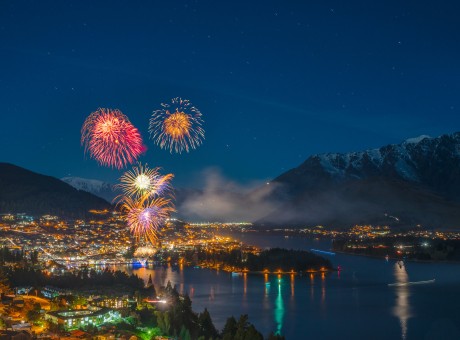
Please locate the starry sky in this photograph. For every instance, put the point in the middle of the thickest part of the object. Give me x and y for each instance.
(276, 81)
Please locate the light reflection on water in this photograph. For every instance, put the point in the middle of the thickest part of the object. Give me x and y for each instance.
(266, 301)
(354, 303)
(279, 308)
(402, 307)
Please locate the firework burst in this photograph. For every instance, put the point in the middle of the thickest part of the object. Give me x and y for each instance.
(146, 215)
(142, 180)
(145, 251)
(177, 126)
(111, 139)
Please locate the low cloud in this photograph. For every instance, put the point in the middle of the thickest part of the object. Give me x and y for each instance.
(222, 199)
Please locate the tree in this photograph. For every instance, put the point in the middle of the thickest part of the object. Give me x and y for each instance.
(184, 334)
(241, 327)
(230, 328)
(150, 290)
(4, 285)
(169, 287)
(241, 330)
(34, 257)
(206, 326)
(273, 336)
(33, 315)
(252, 333)
(163, 321)
(78, 301)
(147, 316)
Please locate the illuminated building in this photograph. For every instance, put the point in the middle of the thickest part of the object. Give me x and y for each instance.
(76, 318)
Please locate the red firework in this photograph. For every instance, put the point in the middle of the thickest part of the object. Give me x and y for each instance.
(111, 139)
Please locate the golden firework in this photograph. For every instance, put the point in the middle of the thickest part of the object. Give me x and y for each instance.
(146, 215)
(142, 180)
(177, 126)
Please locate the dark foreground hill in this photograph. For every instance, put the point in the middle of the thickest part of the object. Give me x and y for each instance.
(24, 191)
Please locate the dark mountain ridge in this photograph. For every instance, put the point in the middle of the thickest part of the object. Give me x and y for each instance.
(415, 182)
(24, 191)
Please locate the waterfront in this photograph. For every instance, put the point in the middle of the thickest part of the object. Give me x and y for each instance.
(353, 303)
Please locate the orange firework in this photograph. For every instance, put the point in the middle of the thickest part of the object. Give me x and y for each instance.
(177, 126)
(111, 139)
(146, 215)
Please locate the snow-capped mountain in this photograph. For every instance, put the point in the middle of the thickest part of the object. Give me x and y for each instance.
(96, 187)
(430, 162)
(418, 180)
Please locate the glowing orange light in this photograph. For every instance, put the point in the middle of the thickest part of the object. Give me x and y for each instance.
(177, 126)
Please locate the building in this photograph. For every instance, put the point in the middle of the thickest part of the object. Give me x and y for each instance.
(115, 302)
(52, 292)
(77, 318)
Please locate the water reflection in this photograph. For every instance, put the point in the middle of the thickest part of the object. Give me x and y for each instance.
(323, 289)
(267, 285)
(181, 276)
(402, 308)
(359, 295)
(211, 294)
(312, 287)
(266, 303)
(279, 308)
(245, 284)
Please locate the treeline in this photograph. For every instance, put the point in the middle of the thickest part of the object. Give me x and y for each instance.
(180, 321)
(277, 258)
(82, 279)
(17, 256)
(271, 259)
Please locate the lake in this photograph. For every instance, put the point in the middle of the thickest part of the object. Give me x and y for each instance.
(355, 303)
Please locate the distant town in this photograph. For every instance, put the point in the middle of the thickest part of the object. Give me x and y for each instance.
(55, 280)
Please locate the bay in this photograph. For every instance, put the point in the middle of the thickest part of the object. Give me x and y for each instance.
(355, 303)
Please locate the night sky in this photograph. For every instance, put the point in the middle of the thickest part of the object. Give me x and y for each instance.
(276, 81)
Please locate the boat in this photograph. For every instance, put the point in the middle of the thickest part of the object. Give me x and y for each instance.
(322, 251)
(404, 284)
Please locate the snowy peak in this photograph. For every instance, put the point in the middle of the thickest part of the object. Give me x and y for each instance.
(431, 162)
(416, 140)
(96, 187)
(417, 180)
(400, 160)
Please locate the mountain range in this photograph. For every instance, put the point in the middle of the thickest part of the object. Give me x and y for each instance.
(24, 191)
(415, 182)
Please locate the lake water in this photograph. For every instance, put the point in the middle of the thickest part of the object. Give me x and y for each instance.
(356, 303)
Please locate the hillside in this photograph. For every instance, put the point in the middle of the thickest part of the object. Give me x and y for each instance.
(96, 187)
(22, 190)
(415, 182)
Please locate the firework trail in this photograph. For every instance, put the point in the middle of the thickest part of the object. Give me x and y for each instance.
(177, 126)
(142, 180)
(111, 139)
(146, 215)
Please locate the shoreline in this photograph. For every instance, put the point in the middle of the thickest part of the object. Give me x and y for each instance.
(396, 259)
